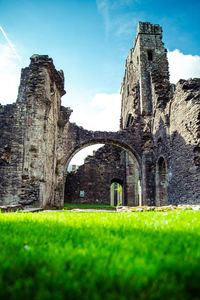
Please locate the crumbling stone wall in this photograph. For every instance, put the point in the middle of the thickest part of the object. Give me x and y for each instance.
(29, 134)
(109, 164)
(95, 176)
(176, 134)
(11, 145)
(38, 141)
(168, 122)
(159, 129)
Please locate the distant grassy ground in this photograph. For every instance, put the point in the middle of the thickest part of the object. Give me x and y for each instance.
(70, 206)
(70, 255)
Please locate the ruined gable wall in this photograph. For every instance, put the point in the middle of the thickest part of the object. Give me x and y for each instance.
(45, 86)
(31, 128)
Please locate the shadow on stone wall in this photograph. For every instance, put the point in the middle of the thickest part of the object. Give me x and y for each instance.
(182, 164)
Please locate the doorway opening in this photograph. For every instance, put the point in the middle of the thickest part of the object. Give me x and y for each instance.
(116, 192)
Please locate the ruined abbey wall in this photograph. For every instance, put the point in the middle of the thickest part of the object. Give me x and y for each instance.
(29, 136)
(168, 121)
(159, 130)
(176, 138)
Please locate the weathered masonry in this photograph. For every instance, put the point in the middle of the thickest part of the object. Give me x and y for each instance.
(159, 130)
(110, 176)
(92, 182)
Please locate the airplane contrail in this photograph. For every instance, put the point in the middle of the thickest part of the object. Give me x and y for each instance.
(11, 45)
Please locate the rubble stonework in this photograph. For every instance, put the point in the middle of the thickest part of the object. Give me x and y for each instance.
(95, 176)
(159, 130)
(108, 165)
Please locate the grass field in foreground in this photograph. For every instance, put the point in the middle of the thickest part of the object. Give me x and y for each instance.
(70, 255)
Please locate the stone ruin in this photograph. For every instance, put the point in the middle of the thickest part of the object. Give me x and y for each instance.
(159, 138)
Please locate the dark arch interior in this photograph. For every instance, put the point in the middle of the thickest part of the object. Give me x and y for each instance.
(117, 180)
(150, 55)
(162, 167)
(129, 120)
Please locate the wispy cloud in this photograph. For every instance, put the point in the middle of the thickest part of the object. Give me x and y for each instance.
(124, 27)
(104, 9)
(114, 19)
(12, 47)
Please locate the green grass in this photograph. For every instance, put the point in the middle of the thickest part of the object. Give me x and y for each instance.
(70, 206)
(70, 255)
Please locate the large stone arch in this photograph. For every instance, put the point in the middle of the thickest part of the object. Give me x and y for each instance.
(106, 141)
(75, 138)
(79, 138)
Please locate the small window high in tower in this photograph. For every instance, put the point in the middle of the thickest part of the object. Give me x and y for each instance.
(150, 55)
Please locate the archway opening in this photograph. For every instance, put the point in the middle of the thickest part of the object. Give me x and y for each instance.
(161, 183)
(92, 182)
(116, 192)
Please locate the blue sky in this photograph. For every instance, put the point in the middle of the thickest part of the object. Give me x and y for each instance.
(90, 41)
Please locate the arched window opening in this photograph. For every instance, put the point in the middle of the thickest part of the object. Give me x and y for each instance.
(116, 192)
(133, 195)
(159, 141)
(161, 183)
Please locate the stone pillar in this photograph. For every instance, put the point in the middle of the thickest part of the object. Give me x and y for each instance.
(148, 179)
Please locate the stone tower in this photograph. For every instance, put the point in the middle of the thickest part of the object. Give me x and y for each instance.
(145, 87)
(146, 79)
(165, 119)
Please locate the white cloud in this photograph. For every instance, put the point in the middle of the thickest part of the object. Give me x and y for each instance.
(9, 75)
(183, 66)
(78, 159)
(108, 107)
(102, 113)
